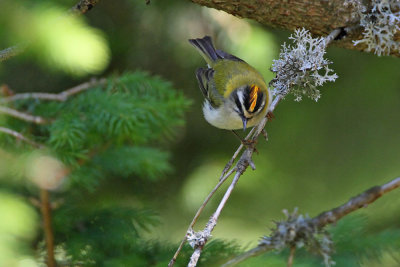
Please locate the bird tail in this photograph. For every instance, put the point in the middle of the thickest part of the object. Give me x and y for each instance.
(206, 48)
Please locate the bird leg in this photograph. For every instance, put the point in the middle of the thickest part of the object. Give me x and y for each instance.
(246, 143)
(270, 115)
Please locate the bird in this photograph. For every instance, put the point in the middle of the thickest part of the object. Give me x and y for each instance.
(236, 95)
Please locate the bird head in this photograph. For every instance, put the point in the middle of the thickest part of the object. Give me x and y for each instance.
(249, 101)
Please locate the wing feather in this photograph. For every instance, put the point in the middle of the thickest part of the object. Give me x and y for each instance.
(205, 77)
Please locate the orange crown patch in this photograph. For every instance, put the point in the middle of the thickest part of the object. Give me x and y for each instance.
(253, 97)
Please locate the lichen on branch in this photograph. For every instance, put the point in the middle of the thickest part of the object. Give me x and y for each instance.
(380, 24)
(299, 231)
(301, 67)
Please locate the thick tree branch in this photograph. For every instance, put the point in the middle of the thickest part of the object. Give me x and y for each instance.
(328, 217)
(319, 17)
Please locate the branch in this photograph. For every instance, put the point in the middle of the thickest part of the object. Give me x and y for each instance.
(206, 233)
(328, 217)
(319, 17)
(48, 231)
(23, 116)
(291, 256)
(62, 96)
(12, 51)
(199, 211)
(19, 136)
(355, 203)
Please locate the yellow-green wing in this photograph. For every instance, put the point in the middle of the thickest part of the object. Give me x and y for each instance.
(205, 77)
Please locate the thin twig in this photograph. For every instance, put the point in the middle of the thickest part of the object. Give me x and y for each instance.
(328, 217)
(213, 220)
(355, 203)
(62, 96)
(254, 252)
(329, 38)
(237, 152)
(12, 51)
(48, 231)
(22, 116)
(291, 256)
(19, 136)
(199, 211)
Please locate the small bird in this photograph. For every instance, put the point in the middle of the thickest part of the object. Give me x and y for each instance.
(236, 95)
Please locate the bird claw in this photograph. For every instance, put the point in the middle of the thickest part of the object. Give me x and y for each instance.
(270, 115)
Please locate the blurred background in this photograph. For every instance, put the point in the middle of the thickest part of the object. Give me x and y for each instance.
(319, 154)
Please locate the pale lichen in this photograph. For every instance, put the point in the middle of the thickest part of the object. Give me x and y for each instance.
(380, 23)
(301, 68)
(299, 231)
(196, 239)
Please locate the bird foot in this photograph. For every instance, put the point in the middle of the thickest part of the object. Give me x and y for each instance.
(270, 115)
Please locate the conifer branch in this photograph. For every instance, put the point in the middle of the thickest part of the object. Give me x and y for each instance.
(22, 116)
(62, 96)
(328, 217)
(21, 137)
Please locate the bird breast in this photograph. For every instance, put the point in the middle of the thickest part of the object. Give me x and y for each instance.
(224, 117)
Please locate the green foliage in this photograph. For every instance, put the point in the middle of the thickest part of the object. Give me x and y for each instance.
(117, 130)
(107, 234)
(353, 241)
(108, 128)
(140, 161)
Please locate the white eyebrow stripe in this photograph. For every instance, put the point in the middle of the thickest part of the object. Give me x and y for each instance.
(240, 96)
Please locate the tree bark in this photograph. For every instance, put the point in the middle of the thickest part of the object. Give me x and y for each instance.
(320, 17)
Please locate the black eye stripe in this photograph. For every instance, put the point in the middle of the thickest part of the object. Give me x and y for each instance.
(246, 97)
(237, 102)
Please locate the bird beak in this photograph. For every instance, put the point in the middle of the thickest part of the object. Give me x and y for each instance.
(244, 119)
